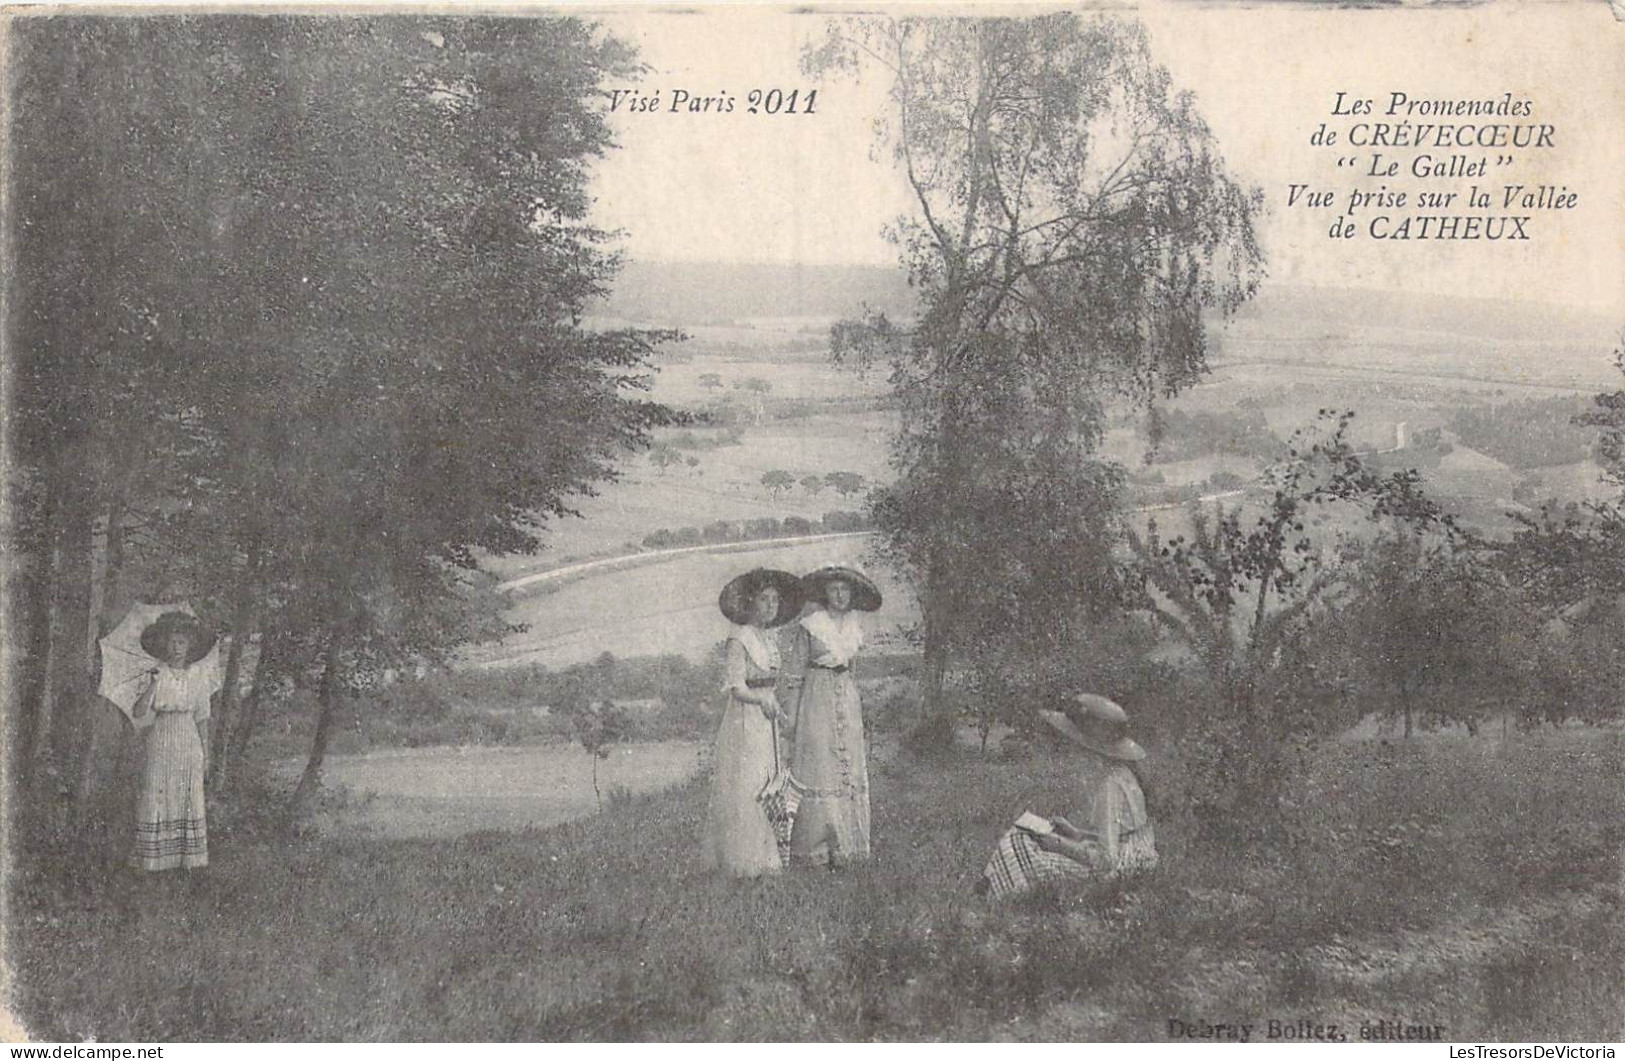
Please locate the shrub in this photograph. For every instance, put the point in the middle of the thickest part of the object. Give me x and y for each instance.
(842, 520)
(720, 531)
(1525, 434)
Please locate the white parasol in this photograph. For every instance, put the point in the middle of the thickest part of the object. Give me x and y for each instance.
(126, 665)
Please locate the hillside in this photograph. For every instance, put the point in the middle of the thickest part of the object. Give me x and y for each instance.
(706, 292)
(1287, 307)
(1357, 329)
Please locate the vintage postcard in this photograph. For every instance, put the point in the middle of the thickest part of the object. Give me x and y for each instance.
(616, 523)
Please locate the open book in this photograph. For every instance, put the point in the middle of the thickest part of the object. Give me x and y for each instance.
(1032, 823)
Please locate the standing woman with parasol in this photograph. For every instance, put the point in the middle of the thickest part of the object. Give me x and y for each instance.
(830, 758)
(739, 837)
(175, 672)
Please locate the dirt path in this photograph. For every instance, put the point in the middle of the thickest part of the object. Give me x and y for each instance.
(657, 556)
(619, 563)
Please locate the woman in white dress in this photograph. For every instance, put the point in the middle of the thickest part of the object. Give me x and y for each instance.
(739, 839)
(830, 759)
(171, 830)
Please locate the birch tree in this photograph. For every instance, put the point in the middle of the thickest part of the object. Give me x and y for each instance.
(1072, 227)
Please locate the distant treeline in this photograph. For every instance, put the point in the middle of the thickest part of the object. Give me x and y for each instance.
(699, 292)
(1150, 489)
(724, 412)
(1176, 435)
(837, 522)
(1534, 433)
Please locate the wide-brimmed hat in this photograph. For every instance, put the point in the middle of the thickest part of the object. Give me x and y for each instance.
(865, 594)
(155, 638)
(1096, 723)
(739, 595)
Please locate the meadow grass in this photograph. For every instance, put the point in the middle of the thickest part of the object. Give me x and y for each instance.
(1460, 883)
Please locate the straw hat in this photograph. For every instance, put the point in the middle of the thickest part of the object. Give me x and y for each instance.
(155, 638)
(738, 597)
(865, 594)
(1096, 723)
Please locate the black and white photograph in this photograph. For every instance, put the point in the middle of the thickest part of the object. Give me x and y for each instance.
(925, 523)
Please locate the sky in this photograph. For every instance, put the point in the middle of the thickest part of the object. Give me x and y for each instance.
(804, 188)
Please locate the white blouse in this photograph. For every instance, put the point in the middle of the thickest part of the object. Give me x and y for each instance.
(186, 689)
(757, 655)
(843, 637)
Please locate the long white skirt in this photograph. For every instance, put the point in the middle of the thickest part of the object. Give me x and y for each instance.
(170, 828)
(738, 838)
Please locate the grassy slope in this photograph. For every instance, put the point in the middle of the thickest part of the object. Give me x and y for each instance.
(1440, 882)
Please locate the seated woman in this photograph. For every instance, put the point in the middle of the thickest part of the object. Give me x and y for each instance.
(1118, 836)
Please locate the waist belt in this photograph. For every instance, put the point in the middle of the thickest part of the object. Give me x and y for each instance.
(833, 670)
(760, 683)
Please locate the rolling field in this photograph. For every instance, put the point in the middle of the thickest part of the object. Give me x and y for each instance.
(799, 378)
(1389, 368)
(814, 445)
(645, 501)
(669, 607)
(727, 485)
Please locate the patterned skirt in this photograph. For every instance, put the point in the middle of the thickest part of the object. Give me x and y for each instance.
(170, 831)
(1020, 865)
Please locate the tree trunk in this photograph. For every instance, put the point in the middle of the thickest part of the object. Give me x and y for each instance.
(101, 738)
(100, 533)
(934, 707)
(233, 745)
(66, 669)
(265, 668)
(230, 683)
(327, 699)
(243, 623)
(40, 727)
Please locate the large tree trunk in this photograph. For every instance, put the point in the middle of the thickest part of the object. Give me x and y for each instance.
(265, 670)
(936, 665)
(327, 699)
(936, 605)
(244, 620)
(100, 533)
(66, 668)
(39, 729)
(102, 733)
(936, 710)
(231, 681)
